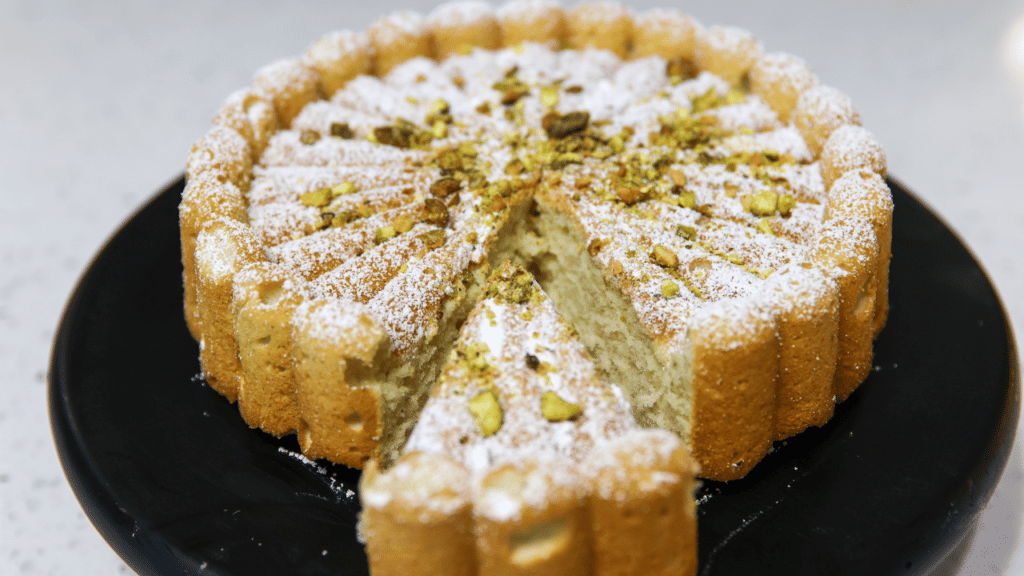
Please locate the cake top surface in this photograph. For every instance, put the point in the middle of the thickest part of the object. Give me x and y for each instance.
(687, 192)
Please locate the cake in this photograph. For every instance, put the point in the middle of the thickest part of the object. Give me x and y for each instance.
(712, 222)
(525, 458)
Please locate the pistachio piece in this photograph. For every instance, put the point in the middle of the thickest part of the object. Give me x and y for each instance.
(786, 204)
(664, 257)
(384, 234)
(403, 223)
(445, 186)
(669, 289)
(317, 198)
(397, 136)
(439, 107)
(486, 410)
(567, 124)
(342, 130)
(574, 89)
(677, 176)
(309, 137)
(439, 129)
(765, 227)
(436, 213)
(688, 232)
(555, 409)
(532, 362)
(433, 238)
(629, 194)
(764, 203)
(344, 188)
(549, 96)
(687, 198)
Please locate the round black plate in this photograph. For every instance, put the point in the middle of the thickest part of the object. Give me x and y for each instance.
(178, 484)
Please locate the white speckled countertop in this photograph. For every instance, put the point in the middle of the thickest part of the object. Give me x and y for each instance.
(100, 102)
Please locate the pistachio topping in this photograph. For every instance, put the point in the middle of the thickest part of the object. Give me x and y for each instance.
(436, 213)
(317, 198)
(486, 411)
(384, 234)
(669, 289)
(344, 188)
(342, 130)
(445, 186)
(567, 124)
(515, 289)
(555, 409)
(664, 257)
(688, 232)
(549, 96)
(433, 238)
(403, 224)
(764, 203)
(786, 204)
(309, 137)
(532, 362)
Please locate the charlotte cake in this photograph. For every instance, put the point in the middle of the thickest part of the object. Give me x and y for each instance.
(713, 222)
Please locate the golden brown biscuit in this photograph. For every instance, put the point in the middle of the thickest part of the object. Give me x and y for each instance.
(419, 514)
(541, 21)
(780, 79)
(601, 24)
(223, 247)
(398, 37)
(339, 57)
(727, 52)
(460, 26)
(289, 85)
(819, 112)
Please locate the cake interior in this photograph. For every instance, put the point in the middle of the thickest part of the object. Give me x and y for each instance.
(545, 241)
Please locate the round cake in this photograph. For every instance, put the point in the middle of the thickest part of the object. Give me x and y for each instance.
(712, 224)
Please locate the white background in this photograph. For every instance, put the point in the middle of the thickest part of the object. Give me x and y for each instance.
(101, 101)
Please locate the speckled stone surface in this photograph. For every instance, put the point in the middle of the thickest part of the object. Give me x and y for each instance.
(100, 102)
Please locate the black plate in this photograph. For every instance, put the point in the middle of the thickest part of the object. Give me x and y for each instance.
(178, 484)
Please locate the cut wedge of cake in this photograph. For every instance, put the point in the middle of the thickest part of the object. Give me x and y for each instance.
(526, 460)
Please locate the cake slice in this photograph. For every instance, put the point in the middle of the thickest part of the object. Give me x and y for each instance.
(522, 430)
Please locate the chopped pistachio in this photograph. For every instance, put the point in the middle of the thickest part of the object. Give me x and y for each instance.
(342, 130)
(467, 150)
(688, 232)
(669, 289)
(433, 238)
(486, 410)
(764, 226)
(308, 137)
(786, 204)
(664, 257)
(764, 203)
(513, 93)
(445, 186)
(439, 107)
(549, 96)
(574, 89)
(687, 199)
(317, 198)
(595, 246)
(629, 194)
(567, 124)
(344, 188)
(532, 362)
(555, 409)
(384, 234)
(403, 223)
(678, 178)
(436, 213)
(450, 160)
(484, 108)
(439, 129)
